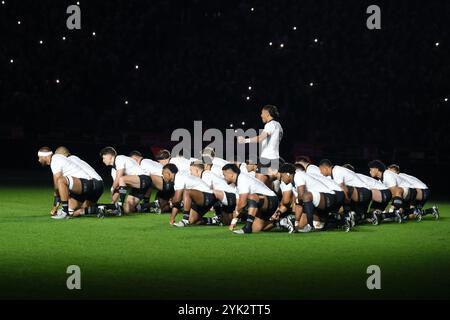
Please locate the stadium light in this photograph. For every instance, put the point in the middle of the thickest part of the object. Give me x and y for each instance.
(57, 80)
(282, 45)
(243, 123)
(311, 84)
(136, 67)
(270, 43)
(294, 28)
(64, 38)
(231, 125)
(250, 88)
(252, 9)
(316, 40)
(93, 34)
(446, 99)
(248, 98)
(437, 44)
(11, 61)
(41, 42)
(18, 22)
(3, 2)
(78, 3)
(126, 101)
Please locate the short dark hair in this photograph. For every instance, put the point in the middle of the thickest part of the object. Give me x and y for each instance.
(287, 168)
(209, 151)
(326, 163)
(207, 159)
(251, 161)
(377, 164)
(108, 150)
(135, 153)
(45, 149)
(171, 167)
(273, 111)
(231, 166)
(303, 159)
(299, 166)
(396, 167)
(349, 167)
(163, 154)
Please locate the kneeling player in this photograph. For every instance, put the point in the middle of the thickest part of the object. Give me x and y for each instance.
(254, 195)
(422, 194)
(224, 193)
(196, 195)
(72, 184)
(128, 175)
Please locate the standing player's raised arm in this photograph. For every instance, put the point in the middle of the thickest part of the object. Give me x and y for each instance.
(256, 139)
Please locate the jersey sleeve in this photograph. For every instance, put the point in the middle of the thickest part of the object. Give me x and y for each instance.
(179, 182)
(338, 175)
(243, 186)
(269, 128)
(286, 187)
(56, 165)
(389, 180)
(120, 163)
(300, 179)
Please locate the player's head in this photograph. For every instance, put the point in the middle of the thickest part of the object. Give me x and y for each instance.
(136, 156)
(196, 168)
(303, 160)
(269, 112)
(108, 155)
(376, 168)
(208, 154)
(251, 165)
(300, 166)
(62, 151)
(163, 156)
(394, 168)
(45, 156)
(349, 167)
(326, 167)
(287, 172)
(230, 172)
(169, 171)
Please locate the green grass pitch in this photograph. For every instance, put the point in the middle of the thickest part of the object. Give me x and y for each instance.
(142, 256)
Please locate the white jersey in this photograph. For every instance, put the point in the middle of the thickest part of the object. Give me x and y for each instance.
(182, 163)
(313, 169)
(247, 184)
(130, 167)
(347, 177)
(113, 174)
(86, 167)
(184, 180)
(216, 183)
(217, 165)
(391, 179)
(418, 184)
(330, 183)
(243, 168)
(270, 147)
(311, 183)
(372, 184)
(151, 167)
(68, 168)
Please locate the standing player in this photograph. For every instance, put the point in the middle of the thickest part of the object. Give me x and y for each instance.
(224, 193)
(128, 175)
(270, 139)
(422, 193)
(254, 195)
(357, 195)
(69, 180)
(196, 195)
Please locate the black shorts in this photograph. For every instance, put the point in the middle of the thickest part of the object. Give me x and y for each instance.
(86, 190)
(145, 184)
(208, 201)
(231, 200)
(264, 165)
(165, 194)
(364, 194)
(386, 197)
(411, 198)
(271, 208)
(425, 195)
(330, 204)
(97, 191)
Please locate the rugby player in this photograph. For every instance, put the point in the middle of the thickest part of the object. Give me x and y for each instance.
(254, 195)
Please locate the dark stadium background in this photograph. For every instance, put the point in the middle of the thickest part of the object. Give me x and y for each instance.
(376, 94)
